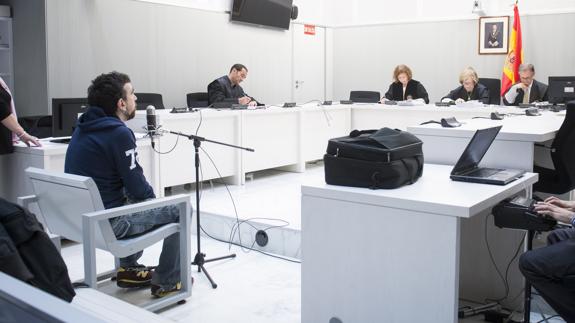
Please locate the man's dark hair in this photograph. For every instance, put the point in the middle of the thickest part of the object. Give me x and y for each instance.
(238, 67)
(106, 90)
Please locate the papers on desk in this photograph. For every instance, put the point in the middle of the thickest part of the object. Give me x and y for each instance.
(470, 104)
(411, 102)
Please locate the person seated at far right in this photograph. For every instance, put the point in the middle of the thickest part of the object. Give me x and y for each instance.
(470, 89)
(404, 87)
(528, 90)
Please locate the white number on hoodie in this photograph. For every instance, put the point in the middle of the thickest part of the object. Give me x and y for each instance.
(132, 154)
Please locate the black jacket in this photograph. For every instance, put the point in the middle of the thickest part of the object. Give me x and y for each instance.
(28, 254)
(538, 93)
(480, 92)
(5, 133)
(222, 90)
(414, 90)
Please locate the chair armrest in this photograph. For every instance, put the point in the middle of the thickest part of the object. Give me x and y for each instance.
(25, 201)
(133, 208)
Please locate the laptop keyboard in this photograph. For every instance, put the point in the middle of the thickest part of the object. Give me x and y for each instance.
(482, 172)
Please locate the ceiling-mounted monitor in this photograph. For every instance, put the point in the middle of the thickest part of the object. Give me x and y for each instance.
(274, 13)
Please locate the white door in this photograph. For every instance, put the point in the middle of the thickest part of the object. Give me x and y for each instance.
(309, 63)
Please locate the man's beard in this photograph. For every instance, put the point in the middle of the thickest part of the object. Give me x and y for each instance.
(130, 116)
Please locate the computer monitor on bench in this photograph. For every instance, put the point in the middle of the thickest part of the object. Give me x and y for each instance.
(65, 114)
(561, 89)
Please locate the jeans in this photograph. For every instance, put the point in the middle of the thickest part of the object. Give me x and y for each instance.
(167, 274)
(551, 270)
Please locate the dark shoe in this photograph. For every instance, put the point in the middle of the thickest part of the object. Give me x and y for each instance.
(160, 292)
(133, 277)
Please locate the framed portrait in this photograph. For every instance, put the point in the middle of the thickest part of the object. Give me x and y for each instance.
(493, 35)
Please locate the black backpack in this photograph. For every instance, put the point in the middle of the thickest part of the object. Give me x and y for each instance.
(28, 254)
(385, 158)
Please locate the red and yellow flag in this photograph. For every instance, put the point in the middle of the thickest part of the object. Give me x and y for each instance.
(515, 56)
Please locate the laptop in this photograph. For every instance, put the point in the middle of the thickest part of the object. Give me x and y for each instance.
(467, 170)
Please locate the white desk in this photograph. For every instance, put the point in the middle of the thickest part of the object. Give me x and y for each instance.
(376, 116)
(177, 167)
(389, 255)
(281, 137)
(52, 156)
(513, 147)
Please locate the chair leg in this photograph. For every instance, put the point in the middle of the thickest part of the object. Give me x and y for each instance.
(90, 273)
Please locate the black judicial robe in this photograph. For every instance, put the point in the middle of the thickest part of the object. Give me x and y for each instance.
(480, 92)
(538, 93)
(414, 90)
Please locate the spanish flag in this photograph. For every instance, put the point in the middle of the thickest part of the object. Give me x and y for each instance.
(515, 56)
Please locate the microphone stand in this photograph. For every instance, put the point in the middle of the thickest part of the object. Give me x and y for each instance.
(200, 258)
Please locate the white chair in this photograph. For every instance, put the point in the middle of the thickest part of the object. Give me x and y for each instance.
(71, 207)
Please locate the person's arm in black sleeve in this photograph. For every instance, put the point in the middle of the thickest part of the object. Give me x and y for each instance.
(422, 93)
(389, 93)
(452, 95)
(125, 158)
(483, 95)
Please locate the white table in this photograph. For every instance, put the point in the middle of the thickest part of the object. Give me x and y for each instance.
(376, 116)
(52, 156)
(286, 138)
(389, 255)
(176, 167)
(513, 147)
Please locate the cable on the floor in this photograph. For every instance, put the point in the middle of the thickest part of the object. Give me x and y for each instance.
(239, 222)
(253, 249)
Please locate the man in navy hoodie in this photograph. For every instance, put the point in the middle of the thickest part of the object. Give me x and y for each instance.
(104, 148)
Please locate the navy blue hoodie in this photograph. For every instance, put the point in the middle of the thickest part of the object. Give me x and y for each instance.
(104, 148)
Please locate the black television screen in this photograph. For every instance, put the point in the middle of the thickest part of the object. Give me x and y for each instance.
(561, 89)
(65, 114)
(274, 13)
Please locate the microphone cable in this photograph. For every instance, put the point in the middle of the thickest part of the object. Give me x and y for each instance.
(239, 222)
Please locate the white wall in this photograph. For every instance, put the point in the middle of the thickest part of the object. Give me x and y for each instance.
(364, 56)
(360, 12)
(165, 49)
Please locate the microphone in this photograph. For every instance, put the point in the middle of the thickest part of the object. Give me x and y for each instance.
(151, 122)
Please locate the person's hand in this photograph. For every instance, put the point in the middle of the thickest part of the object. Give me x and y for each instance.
(495, 44)
(554, 211)
(252, 103)
(27, 139)
(570, 205)
(522, 86)
(244, 100)
(459, 100)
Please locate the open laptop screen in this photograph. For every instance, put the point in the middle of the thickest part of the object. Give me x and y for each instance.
(476, 149)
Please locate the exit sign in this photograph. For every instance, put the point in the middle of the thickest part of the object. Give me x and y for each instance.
(309, 29)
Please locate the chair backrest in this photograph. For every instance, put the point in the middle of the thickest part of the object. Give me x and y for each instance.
(364, 96)
(563, 154)
(197, 99)
(63, 198)
(146, 99)
(494, 87)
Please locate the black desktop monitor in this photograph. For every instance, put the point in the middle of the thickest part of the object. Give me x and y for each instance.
(561, 89)
(65, 114)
